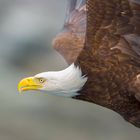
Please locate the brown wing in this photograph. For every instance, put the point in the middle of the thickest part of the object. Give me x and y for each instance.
(115, 24)
(111, 56)
(113, 36)
(70, 41)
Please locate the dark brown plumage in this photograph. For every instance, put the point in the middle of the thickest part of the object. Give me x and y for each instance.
(111, 54)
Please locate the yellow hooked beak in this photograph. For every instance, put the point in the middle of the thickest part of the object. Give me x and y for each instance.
(28, 84)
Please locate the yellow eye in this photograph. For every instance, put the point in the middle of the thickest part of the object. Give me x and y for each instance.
(42, 80)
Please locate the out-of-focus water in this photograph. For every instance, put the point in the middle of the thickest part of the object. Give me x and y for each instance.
(26, 30)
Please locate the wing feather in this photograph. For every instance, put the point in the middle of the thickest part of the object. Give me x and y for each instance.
(111, 57)
(70, 41)
(110, 22)
(112, 45)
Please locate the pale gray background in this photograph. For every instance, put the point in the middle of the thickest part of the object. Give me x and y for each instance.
(26, 31)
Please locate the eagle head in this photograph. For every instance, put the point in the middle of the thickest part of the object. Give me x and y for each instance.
(65, 83)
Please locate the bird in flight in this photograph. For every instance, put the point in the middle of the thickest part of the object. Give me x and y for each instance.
(100, 41)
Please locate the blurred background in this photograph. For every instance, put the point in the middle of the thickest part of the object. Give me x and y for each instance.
(27, 28)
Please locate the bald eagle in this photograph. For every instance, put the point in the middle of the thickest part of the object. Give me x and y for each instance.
(100, 41)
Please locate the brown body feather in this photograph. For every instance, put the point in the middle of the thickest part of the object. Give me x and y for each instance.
(111, 56)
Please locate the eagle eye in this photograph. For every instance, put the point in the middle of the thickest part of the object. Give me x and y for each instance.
(41, 80)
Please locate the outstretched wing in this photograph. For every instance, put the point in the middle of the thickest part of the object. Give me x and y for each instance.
(70, 41)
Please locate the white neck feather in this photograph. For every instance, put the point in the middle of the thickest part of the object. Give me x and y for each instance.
(65, 83)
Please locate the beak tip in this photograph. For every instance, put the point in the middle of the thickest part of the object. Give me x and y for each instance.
(19, 86)
(19, 90)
